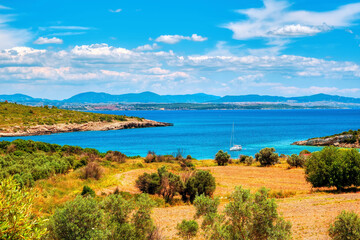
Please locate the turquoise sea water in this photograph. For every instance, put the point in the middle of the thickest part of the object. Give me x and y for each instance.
(202, 133)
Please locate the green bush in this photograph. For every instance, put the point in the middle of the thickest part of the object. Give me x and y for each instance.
(201, 183)
(332, 167)
(170, 185)
(222, 158)
(87, 191)
(267, 157)
(249, 160)
(16, 219)
(246, 216)
(346, 226)
(81, 218)
(148, 183)
(296, 161)
(187, 229)
(304, 152)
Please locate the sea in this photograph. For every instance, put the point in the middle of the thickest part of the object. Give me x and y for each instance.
(202, 133)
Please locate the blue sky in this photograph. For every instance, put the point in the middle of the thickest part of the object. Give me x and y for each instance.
(55, 49)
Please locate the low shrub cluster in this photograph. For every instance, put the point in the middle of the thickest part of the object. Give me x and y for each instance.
(345, 226)
(332, 167)
(185, 163)
(113, 218)
(168, 184)
(29, 161)
(246, 216)
(296, 160)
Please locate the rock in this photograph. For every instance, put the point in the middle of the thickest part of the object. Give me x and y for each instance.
(338, 141)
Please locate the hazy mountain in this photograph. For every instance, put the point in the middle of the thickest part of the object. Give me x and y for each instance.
(144, 97)
(150, 97)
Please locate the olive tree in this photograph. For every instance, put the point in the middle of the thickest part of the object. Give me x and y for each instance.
(267, 157)
(222, 158)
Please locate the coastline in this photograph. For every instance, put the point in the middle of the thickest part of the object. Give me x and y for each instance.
(81, 127)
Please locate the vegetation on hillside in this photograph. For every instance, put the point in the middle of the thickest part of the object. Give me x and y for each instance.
(22, 117)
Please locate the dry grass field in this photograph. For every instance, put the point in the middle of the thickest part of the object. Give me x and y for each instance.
(309, 210)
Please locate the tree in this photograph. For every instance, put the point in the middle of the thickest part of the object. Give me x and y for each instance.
(346, 226)
(296, 160)
(222, 158)
(201, 183)
(246, 216)
(332, 167)
(148, 183)
(81, 218)
(187, 229)
(170, 185)
(16, 219)
(267, 157)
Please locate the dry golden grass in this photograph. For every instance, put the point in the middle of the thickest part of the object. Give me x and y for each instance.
(310, 212)
(276, 179)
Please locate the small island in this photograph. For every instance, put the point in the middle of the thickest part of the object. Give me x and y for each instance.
(347, 139)
(20, 120)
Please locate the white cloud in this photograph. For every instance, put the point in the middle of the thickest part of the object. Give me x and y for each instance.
(276, 19)
(156, 70)
(115, 10)
(147, 47)
(172, 39)
(4, 7)
(45, 40)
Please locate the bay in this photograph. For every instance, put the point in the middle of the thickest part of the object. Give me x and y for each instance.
(202, 133)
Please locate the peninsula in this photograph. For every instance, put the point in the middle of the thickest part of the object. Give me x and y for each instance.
(348, 139)
(20, 120)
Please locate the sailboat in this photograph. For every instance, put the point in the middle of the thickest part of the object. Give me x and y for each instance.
(234, 147)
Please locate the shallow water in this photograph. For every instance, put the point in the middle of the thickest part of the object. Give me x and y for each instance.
(202, 133)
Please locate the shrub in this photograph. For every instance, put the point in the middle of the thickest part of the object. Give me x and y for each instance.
(249, 160)
(246, 216)
(115, 156)
(87, 191)
(187, 229)
(346, 226)
(16, 219)
(148, 183)
(186, 164)
(267, 157)
(150, 157)
(222, 158)
(296, 161)
(93, 170)
(81, 218)
(332, 167)
(188, 157)
(242, 158)
(201, 183)
(170, 185)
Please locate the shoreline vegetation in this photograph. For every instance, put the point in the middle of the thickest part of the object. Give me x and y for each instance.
(347, 139)
(19, 120)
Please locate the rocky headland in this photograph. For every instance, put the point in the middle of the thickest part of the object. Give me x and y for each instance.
(80, 127)
(343, 140)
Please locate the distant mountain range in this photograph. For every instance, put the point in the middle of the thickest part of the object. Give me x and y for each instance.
(150, 97)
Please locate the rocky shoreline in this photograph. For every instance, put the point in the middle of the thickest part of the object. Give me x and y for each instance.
(81, 127)
(337, 141)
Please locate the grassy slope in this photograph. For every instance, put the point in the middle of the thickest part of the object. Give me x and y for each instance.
(20, 116)
(309, 210)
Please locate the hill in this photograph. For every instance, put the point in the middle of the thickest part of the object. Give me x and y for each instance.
(20, 120)
(153, 98)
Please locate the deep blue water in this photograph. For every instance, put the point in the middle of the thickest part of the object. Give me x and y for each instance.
(202, 133)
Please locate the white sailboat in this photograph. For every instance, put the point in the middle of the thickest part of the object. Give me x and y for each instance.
(234, 147)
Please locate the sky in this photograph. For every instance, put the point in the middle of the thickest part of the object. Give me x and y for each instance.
(56, 49)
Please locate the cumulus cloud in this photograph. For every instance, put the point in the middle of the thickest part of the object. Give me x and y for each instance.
(276, 19)
(45, 40)
(121, 68)
(172, 39)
